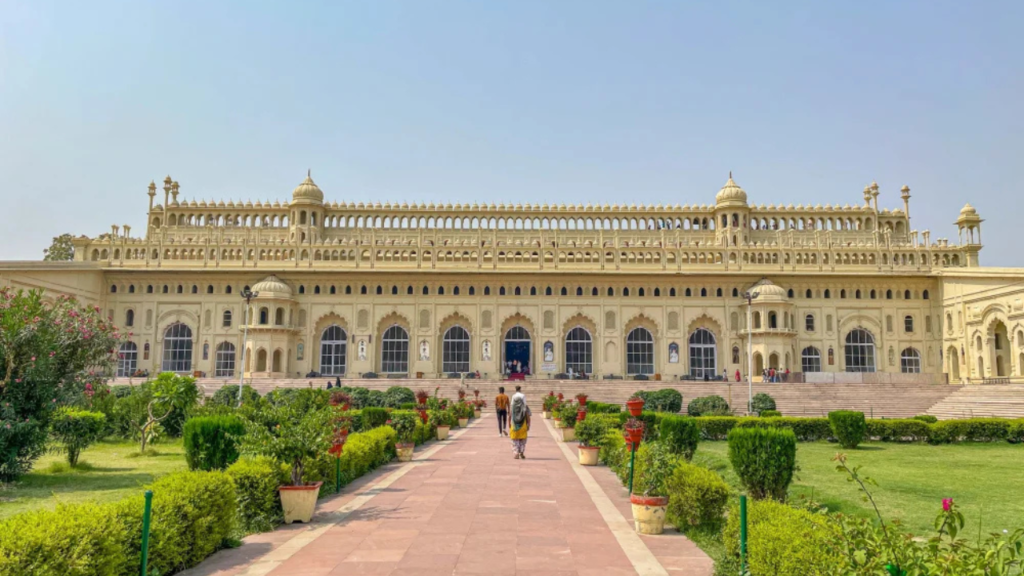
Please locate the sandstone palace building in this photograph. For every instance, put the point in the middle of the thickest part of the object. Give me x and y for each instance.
(841, 293)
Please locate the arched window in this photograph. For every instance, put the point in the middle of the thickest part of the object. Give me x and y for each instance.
(394, 351)
(860, 351)
(809, 323)
(888, 294)
(773, 320)
(127, 359)
(910, 361)
(333, 351)
(564, 291)
(226, 323)
(924, 295)
(810, 360)
(225, 361)
(908, 324)
(129, 318)
(227, 289)
(177, 348)
(735, 354)
(279, 317)
(455, 350)
(639, 351)
(703, 357)
(264, 316)
(828, 293)
(547, 291)
(579, 351)
(380, 290)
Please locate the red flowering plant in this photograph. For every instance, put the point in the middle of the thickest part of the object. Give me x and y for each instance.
(49, 352)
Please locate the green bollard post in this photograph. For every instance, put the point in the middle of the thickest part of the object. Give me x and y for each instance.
(145, 531)
(337, 474)
(743, 534)
(632, 459)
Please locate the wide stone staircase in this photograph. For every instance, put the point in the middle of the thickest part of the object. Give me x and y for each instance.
(792, 399)
(1001, 401)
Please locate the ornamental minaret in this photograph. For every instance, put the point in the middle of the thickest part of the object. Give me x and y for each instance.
(905, 194)
(152, 194)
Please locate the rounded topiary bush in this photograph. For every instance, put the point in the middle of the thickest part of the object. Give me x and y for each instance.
(764, 459)
(228, 395)
(374, 417)
(210, 441)
(680, 434)
(762, 402)
(398, 395)
(697, 496)
(667, 400)
(848, 427)
(73, 430)
(708, 406)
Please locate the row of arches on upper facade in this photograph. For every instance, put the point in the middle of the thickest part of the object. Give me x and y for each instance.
(696, 222)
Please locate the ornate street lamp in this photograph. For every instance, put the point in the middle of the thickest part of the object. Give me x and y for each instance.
(248, 296)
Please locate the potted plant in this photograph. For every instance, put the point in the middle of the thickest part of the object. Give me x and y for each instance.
(478, 407)
(589, 434)
(476, 393)
(421, 397)
(635, 405)
(462, 394)
(582, 399)
(581, 413)
(565, 416)
(439, 420)
(463, 411)
(560, 397)
(550, 401)
(654, 465)
(404, 424)
(634, 430)
(293, 437)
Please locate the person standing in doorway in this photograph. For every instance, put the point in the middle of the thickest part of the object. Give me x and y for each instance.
(501, 405)
(520, 424)
(737, 375)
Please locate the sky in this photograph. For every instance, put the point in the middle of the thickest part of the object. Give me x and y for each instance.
(519, 101)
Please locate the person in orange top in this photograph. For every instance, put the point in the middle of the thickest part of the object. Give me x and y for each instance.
(501, 404)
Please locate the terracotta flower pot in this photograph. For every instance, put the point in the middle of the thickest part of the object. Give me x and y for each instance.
(629, 446)
(582, 399)
(299, 502)
(581, 415)
(442, 432)
(588, 455)
(423, 416)
(649, 513)
(568, 434)
(635, 434)
(635, 407)
(463, 422)
(405, 450)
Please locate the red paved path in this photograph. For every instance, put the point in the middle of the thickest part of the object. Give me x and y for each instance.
(469, 508)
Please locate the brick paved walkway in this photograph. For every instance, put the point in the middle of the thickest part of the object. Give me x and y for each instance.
(467, 507)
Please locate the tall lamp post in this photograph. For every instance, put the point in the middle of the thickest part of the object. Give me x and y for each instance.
(750, 296)
(247, 295)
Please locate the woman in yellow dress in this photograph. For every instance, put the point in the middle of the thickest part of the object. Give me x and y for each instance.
(520, 424)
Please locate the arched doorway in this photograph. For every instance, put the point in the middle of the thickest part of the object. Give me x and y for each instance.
(860, 351)
(579, 351)
(773, 361)
(758, 363)
(277, 361)
(1000, 348)
(333, 350)
(703, 354)
(261, 360)
(517, 347)
(954, 364)
(394, 348)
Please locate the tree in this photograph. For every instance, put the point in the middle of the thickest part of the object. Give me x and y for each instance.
(74, 430)
(152, 402)
(290, 435)
(48, 353)
(61, 250)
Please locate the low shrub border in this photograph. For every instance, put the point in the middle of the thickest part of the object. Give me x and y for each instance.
(895, 430)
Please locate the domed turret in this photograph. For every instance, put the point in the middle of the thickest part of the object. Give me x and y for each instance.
(731, 194)
(308, 191)
(272, 287)
(767, 291)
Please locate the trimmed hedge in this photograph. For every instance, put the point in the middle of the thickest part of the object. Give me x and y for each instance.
(972, 430)
(602, 408)
(697, 496)
(193, 516)
(210, 442)
(364, 451)
(769, 414)
(764, 459)
(926, 418)
(373, 417)
(782, 540)
(848, 427)
(256, 483)
(680, 434)
(896, 430)
(899, 430)
(708, 406)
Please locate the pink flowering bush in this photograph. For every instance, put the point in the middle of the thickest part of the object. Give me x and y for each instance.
(49, 352)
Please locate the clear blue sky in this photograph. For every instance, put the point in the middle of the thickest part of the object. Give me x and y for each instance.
(531, 101)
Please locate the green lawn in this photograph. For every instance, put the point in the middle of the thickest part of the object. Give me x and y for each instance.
(986, 481)
(107, 471)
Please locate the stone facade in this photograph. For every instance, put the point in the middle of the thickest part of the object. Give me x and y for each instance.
(841, 293)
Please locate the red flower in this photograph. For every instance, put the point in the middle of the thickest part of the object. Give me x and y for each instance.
(947, 504)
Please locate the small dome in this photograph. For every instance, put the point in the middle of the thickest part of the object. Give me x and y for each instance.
(272, 287)
(308, 191)
(731, 193)
(968, 210)
(766, 290)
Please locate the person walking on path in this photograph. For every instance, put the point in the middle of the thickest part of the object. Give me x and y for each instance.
(520, 423)
(501, 404)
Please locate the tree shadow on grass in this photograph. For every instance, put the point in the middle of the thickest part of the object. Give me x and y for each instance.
(36, 486)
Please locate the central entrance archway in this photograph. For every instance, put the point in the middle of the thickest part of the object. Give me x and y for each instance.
(517, 347)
